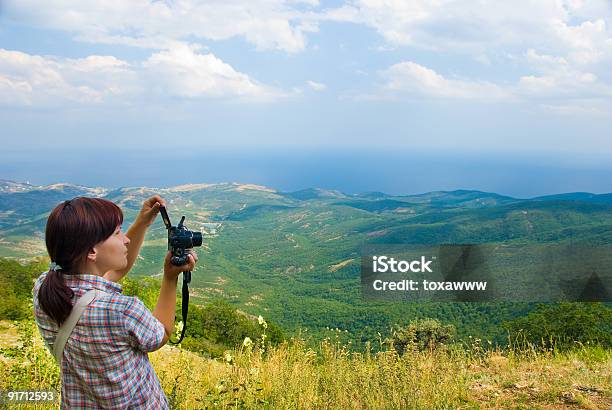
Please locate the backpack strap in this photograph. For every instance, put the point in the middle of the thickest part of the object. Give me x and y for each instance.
(67, 327)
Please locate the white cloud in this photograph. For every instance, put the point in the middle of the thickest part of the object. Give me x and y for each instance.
(587, 42)
(36, 80)
(413, 79)
(267, 24)
(33, 80)
(544, 62)
(554, 85)
(185, 73)
(557, 78)
(582, 107)
(316, 86)
(465, 26)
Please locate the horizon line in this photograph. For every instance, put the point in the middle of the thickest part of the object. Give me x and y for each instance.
(204, 185)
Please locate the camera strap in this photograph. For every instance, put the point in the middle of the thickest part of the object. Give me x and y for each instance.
(184, 304)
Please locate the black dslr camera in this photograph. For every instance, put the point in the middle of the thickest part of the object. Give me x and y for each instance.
(179, 240)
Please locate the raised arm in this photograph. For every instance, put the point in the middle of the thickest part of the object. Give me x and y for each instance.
(136, 233)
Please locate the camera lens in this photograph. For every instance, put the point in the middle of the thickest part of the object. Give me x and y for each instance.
(197, 239)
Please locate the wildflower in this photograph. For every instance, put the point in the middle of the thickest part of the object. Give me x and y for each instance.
(221, 387)
(262, 322)
(179, 329)
(247, 342)
(228, 357)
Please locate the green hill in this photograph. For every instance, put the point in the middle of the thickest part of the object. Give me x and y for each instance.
(294, 257)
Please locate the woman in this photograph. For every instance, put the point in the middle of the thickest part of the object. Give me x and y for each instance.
(105, 362)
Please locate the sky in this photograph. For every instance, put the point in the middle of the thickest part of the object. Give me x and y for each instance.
(471, 88)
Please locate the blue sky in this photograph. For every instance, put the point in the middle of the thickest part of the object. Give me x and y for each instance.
(459, 78)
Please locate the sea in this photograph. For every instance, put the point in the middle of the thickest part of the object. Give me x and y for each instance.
(392, 171)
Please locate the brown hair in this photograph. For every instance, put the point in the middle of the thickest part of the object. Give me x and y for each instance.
(74, 227)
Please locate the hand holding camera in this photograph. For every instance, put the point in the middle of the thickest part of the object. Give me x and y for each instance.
(150, 209)
(172, 271)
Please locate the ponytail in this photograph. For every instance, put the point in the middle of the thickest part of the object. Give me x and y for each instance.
(54, 297)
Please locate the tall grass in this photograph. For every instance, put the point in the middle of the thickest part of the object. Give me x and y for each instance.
(294, 375)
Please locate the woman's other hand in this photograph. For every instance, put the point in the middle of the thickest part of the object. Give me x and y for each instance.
(172, 272)
(150, 209)
(166, 302)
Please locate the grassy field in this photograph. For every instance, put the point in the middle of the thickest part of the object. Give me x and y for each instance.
(295, 376)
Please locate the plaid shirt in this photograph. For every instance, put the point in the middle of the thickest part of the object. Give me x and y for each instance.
(105, 362)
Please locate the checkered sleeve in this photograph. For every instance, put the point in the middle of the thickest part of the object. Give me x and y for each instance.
(144, 331)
